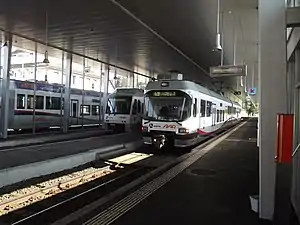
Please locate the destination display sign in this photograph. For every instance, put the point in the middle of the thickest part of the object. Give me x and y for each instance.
(164, 94)
(230, 70)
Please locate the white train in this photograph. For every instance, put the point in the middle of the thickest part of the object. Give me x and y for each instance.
(84, 106)
(180, 113)
(124, 109)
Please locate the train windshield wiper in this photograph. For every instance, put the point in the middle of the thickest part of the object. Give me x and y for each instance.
(113, 108)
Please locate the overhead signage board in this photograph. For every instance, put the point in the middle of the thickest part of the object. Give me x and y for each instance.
(252, 91)
(230, 70)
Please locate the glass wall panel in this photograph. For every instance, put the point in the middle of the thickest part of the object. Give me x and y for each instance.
(22, 76)
(78, 109)
(112, 78)
(38, 87)
(135, 81)
(49, 89)
(96, 87)
(121, 79)
(22, 64)
(142, 82)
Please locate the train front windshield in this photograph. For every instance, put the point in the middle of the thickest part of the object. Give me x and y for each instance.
(119, 105)
(167, 106)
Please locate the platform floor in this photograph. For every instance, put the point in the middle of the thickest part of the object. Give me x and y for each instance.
(213, 191)
(18, 140)
(24, 155)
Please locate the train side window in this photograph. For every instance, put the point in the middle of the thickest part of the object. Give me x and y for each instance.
(195, 108)
(218, 115)
(202, 108)
(223, 115)
(20, 101)
(95, 110)
(53, 103)
(208, 109)
(229, 110)
(39, 102)
(85, 110)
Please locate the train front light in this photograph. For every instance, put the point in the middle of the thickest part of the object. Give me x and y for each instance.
(144, 129)
(183, 130)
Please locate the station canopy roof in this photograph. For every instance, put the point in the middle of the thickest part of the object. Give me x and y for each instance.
(102, 30)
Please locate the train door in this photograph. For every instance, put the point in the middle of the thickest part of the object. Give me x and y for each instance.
(134, 111)
(214, 114)
(74, 111)
(140, 107)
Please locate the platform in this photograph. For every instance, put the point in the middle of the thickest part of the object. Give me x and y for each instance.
(18, 140)
(18, 156)
(214, 190)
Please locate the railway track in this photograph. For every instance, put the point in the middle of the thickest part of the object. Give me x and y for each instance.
(22, 199)
(71, 203)
(35, 193)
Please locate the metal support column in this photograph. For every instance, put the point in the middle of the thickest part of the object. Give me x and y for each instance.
(105, 91)
(5, 90)
(101, 97)
(34, 87)
(291, 86)
(272, 67)
(83, 93)
(67, 93)
(61, 90)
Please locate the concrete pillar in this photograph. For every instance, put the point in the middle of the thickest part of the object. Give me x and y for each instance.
(67, 93)
(5, 90)
(296, 71)
(291, 86)
(296, 156)
(272, 72)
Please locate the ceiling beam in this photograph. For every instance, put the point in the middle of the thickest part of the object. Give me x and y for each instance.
(293, 17)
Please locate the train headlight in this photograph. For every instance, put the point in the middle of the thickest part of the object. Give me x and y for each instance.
(183, 130)
(144, 129)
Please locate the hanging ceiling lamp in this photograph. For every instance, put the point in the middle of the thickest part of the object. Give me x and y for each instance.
(218, 46)
(46, 60)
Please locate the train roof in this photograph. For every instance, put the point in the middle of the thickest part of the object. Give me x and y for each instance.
(184, 85)
(55, 88)
(127, 92)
